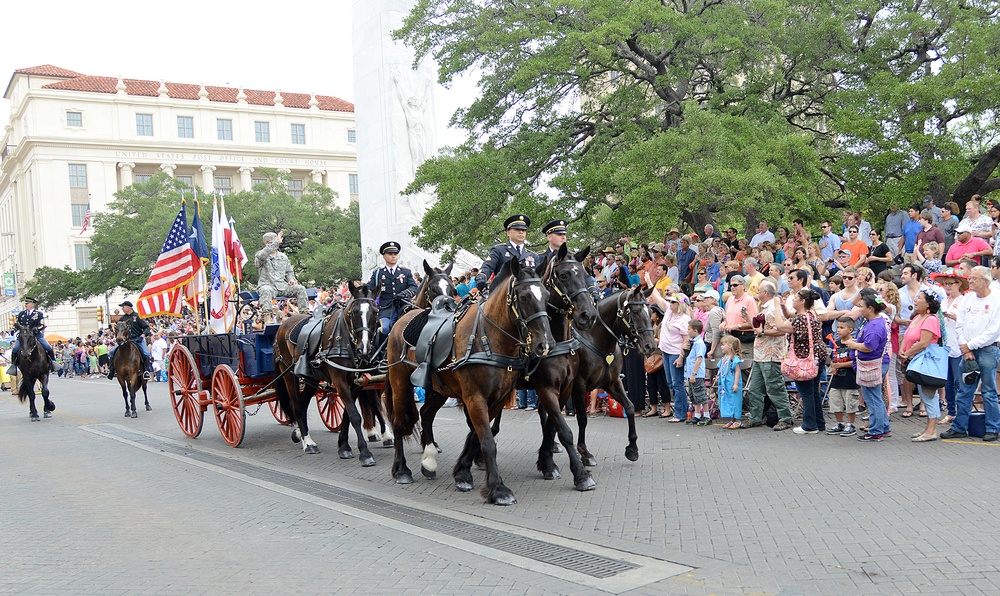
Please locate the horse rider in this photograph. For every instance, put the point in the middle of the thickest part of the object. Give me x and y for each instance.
(517, 230)
(277, 278)
(555, 233)
(138, 331)
(394, 285)
(34, 320)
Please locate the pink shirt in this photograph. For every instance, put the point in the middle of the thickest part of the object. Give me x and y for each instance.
(913, 332)
(673, 332)
(959, 250)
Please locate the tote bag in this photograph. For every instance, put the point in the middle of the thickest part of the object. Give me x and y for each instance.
(800, 369)
(929, 368)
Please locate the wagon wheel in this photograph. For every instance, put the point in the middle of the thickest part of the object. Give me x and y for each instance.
(331, 409)
(227, 396)
(184, 384)
(247, 312)
(278, 413)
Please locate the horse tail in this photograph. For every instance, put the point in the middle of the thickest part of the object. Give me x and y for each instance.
(368, 404)
(24, 386)
(387, 401)
(284, 400)
(410, 416)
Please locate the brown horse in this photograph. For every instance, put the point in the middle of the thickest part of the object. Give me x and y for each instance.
(128, 369)
(32, 367)
(347, 345)
(505, 329)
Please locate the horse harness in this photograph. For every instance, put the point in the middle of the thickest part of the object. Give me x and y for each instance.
(344, 342)
(626, 341)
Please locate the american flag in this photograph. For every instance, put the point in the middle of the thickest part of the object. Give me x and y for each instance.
(86, 220)
(174, 268)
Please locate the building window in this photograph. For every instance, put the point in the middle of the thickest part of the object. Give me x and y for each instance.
(78, 175)
(225, 128)
(254, 182)
(74, 118)
(262, 132)
(185, 127)
(352, 135)
(83, 261)
(144, 125)
(79, 214)
(186, 181)
(352, 182)
(224, 185)
(295, 188)
(298, 134)
(142, 178)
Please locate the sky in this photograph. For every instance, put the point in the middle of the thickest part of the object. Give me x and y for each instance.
(301, 47)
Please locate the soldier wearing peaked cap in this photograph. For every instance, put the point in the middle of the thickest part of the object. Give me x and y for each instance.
(395, 286)
(517, 231)
(32, 320)
(555, 233)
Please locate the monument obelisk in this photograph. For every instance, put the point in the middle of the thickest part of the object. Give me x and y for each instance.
(394, 115)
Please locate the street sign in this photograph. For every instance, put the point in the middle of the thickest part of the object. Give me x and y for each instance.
(9, 288)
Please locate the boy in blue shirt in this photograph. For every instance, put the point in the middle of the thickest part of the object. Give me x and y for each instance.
(694, 372)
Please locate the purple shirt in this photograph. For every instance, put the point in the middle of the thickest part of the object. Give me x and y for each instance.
(874, 335)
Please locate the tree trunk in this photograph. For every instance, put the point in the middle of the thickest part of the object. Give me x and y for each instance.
(978, 181)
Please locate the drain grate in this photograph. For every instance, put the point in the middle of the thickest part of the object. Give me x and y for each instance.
(580, 561)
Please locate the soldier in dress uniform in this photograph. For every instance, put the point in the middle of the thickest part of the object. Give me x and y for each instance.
(555, 233)
(34, 320)
(277, 278)
(395, 285)
(517, 230)
(138, 331)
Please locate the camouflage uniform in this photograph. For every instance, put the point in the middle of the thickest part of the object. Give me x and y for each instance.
(275, 273)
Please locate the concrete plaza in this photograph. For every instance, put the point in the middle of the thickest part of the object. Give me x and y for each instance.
(94, 503)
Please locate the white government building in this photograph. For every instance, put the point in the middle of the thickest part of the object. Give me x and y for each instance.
(74, 138)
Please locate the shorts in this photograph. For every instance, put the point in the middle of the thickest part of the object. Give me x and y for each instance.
(843, 400)
(697, 393)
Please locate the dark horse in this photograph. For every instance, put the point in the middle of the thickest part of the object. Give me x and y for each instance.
(346, 345)
(128, 369)
(32, 367)
(492, 342)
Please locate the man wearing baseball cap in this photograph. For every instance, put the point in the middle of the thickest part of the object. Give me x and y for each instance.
(516, 227)
(966, 245)
(138, 331)
(31, 320)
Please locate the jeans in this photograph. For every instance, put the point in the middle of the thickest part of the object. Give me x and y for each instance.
(954, 382)
(932, 404)
(987, 359)
(766, 381)
(527, 398)
(878, 421)
(675, 379)
(812, 403)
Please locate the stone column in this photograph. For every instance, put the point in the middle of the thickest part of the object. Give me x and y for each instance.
(168, 168)
(246, 182)
(317, 176)
(126, 175)
(208, 179)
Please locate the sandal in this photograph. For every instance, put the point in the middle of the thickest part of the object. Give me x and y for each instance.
(924, 438)
(667, 414)
(907, 414)
(674, 420)
(649, 413)
(922, 414)
(947, 420)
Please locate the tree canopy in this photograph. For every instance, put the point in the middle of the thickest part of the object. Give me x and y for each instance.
(322, 241)
(628, 115)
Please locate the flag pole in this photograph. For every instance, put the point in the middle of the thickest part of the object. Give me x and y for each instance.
(197, 318)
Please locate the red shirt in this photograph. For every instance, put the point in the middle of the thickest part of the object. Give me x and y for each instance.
(959, 250)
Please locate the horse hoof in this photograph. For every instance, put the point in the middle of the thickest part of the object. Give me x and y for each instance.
(133, 414)
(552, 474)
(295, 437)
(586, 484)
(128, 414)
(149, 408)
(436, 447)
(389, 443)
(463, 486)
(404, 478)
(35, 418)
(345, 454)
(504, 498)
(311, 449)
(373, 438)
(428, 473)
(367, 461)
(50, 407)
(557, 448)
(631, 454)
(591, 462)
(48, 414)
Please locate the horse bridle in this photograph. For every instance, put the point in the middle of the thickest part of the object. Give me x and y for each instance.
(629, 339)
(353, 333)
(551, 285)
(523, 331)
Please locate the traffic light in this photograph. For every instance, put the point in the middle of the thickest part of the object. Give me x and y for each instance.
(100, 315)
(13, 321)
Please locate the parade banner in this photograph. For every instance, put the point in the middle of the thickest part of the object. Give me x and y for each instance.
(222, 313)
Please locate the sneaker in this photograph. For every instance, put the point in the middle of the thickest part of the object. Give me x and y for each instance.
(836, 430)
(887, 434)
(782, 425)
(692, 420)
(870, 438)
(990, 437)
(801, 431)
(708, 422)
(951, 433)
(451, 402)
(849, 431)
(747, 423)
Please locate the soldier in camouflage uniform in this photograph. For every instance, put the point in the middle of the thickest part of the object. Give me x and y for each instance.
(277, 277)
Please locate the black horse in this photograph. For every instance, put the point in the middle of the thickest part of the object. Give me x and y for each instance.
(347, 344)
(493, 340)
(128, 369)
(33, 367)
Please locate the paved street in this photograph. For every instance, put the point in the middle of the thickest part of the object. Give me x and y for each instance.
(95, 503)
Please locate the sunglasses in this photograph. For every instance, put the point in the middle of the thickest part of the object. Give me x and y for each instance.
(847, 278)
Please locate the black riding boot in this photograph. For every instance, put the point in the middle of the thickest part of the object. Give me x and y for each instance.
(52, 362)
(146, 365)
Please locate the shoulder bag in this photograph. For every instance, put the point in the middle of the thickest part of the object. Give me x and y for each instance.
(654, 362)
(929, 368)
(870, 371)
(800, 369)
